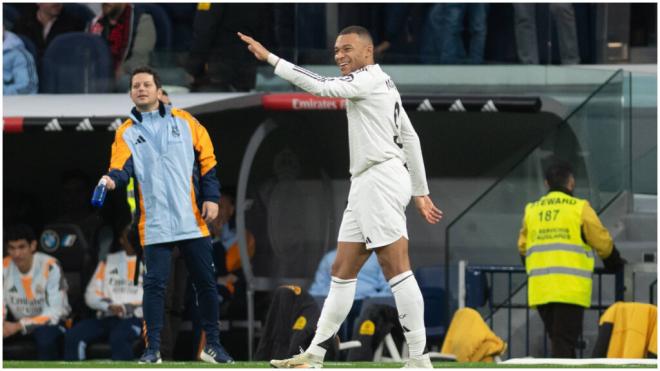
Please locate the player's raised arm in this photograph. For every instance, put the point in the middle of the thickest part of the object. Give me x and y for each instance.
(351, 54)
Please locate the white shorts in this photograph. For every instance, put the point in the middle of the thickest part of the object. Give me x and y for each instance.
(376, 210)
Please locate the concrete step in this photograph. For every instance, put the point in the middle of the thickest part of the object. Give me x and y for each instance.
(645, 203)
(640, 227)
(638, 251)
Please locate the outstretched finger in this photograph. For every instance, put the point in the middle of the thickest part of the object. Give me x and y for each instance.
(245, 38)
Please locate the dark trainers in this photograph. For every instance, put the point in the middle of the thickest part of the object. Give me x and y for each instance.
(215, 354)
(150, 356)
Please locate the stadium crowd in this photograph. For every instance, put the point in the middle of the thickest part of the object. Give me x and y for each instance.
(193, 46)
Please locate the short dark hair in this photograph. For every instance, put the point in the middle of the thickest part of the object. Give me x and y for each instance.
(558, 173)
(149, 70)
(19, 232)
(358, 30)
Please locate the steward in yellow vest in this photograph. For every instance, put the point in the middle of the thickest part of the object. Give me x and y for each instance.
(559, 236)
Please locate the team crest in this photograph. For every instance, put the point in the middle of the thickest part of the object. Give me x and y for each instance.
(175, 131)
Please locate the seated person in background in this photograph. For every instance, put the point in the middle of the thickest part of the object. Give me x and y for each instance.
(117, 301)
(293, 314)
(46, 22)
(226, 252)
(130, 33)
(34, 292)
(19, 72)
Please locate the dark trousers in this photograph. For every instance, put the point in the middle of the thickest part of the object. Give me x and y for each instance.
(198, 255)
(120, 332)
(563, 323)
(47, 339)
(175, 296)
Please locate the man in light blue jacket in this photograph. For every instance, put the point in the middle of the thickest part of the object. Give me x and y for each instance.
(18, 67)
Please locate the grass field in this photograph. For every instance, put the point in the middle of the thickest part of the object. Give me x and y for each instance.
(111, 364)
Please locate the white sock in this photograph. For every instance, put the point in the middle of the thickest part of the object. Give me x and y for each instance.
(410, 305)
(334, 312)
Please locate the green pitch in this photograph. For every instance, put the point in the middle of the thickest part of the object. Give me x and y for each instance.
(111, 364)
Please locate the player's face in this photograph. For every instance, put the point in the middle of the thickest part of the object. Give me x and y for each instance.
(144, 92)
(21, 253)
(352, 53)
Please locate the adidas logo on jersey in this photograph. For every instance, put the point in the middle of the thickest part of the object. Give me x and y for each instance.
(13, 289)
(457, 106)
(425, 106)
(85, 125)
(368, 240)
(114, 271)
(53, 125)
(140, 139)
(489, 107)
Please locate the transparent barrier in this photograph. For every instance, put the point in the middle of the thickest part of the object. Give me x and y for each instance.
(594, 139)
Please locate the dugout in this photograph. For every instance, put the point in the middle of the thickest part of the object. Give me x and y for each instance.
(287, 156)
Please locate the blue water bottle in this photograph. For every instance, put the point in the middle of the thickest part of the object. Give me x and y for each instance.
(99, 193)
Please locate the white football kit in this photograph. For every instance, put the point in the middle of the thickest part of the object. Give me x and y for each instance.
(38, 297)
(112, 283)
(386, 163)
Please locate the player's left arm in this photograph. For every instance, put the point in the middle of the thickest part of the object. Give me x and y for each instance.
(415, 162)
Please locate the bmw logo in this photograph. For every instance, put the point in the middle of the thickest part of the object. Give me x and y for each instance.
(50, 240)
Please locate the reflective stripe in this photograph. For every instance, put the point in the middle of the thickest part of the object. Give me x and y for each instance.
(560, 270)
(559, 247)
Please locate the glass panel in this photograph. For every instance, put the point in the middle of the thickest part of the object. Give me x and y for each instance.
(594, 139)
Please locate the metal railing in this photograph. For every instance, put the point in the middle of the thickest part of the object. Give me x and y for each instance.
(491, 271)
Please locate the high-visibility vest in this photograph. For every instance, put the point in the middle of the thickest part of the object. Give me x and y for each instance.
(559, 264)
(130, 196)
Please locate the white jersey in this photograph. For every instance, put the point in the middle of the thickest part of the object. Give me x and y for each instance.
(112, 283)
(378, 127)
(38, 297)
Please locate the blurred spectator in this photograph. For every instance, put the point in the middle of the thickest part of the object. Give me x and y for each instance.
(444, 36)
(45, 23)
(218, 60)
(34, 292)
(117, 300)
(563, 15)
(18, 67)
(130, 33)
(403, 23)
(226, 251)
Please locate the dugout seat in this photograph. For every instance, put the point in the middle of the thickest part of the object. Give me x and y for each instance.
(67, 243)
(77, 62)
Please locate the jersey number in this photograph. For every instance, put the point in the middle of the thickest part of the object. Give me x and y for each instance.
(397, 111)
